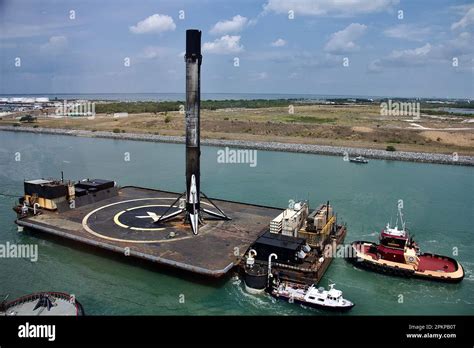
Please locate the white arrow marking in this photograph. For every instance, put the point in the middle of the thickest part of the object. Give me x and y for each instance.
(151, 215)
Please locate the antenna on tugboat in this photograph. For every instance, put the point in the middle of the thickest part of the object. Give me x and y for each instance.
(400, 207)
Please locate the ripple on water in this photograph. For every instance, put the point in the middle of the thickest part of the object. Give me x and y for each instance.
(468, 271)
(373, 234)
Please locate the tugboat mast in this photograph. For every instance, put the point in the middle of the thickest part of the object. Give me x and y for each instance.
(400, 215)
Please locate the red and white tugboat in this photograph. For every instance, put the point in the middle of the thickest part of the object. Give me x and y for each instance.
(398, 254)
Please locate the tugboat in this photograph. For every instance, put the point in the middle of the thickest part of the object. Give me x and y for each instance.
(311, 296)
(42, 304)
(398, 254)
(359, 159)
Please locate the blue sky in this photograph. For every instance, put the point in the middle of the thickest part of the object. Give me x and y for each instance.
(386, 55)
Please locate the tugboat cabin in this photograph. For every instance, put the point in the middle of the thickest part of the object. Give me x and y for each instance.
(392, 245)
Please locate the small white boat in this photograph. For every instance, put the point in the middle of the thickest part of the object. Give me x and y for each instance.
(311, 296)
(359, 159)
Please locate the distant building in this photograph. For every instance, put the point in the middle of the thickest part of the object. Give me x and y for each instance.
(120, 114)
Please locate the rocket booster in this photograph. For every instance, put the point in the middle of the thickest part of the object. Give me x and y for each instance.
(193, 59)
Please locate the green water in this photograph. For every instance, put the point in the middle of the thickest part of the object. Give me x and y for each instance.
(438, 201)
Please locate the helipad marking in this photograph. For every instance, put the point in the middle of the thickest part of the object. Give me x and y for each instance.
(117, 221)
(89, 230)
(149, 215)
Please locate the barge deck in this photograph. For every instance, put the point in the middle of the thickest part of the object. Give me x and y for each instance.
(125, 224)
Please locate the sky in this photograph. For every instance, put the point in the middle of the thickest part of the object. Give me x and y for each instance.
(399, 48)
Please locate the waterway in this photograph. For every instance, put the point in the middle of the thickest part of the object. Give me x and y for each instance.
(438, 201)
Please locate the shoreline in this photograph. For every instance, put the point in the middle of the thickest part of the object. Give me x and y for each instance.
(421, 157)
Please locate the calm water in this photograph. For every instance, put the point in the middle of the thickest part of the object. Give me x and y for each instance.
(459, 110)
(439, 209)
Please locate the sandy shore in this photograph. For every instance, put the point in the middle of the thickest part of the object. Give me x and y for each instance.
(265, 146)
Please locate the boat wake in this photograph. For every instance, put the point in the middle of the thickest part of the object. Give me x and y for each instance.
(373, 234)
(264, 303)
(257, 301)
(468, 271)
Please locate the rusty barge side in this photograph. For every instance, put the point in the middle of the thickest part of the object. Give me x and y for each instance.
(311, 271)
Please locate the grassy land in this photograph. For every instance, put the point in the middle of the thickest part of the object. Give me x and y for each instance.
(155, 107)
(356, 125)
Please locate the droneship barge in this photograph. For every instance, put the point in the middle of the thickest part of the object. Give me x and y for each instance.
(123, 219)
(99, 213)
(187, 231)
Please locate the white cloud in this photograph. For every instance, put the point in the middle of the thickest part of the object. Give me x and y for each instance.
(463, 41)
(235, 25)
(427, 55)
(293, 75)
(55, 44)
(403, 58)
(152, 52)
(411, 54)
(460, 47)
(466, 20)
(408, 32)
(344, 41)
(14, 28)
(374, 66)
(261, 76)
(224, 45)
(295, 59)
(279, 43)
(329, 7)
(156, 23)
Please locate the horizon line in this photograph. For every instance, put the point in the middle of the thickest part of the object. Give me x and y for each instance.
(241, 93)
